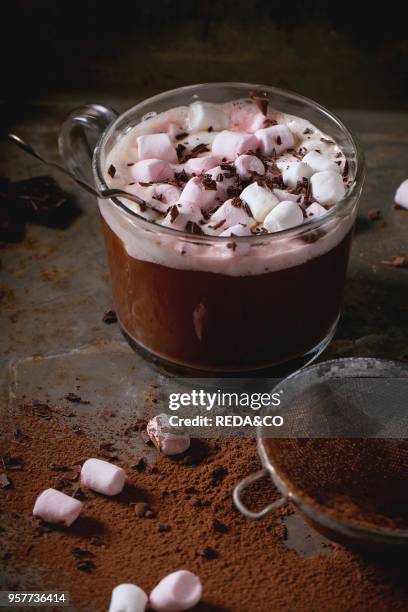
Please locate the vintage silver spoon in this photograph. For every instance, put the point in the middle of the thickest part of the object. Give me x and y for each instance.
(104, 194)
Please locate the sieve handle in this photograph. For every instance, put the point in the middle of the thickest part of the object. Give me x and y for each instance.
(241, 486)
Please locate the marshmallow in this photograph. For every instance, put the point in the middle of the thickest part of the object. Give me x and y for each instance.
(203, 115)
(282, 195)
(260, 200)
(168, 439)
(103, 477)
(278, 137)
(231, 144)
(178, 591)
(296, 172)
(53, 506)
(315, 210)
(320, 163)
(246, 165)
(232, 215)
(166, 195)
(156, 146)
(128, 598)
(151, 170)
(237, 230)
(178, 217)
(284, 216)
(195, 192)
(327, 187)
(401, 195)
(197, 165)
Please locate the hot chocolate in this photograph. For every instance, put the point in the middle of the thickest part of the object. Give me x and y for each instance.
(235, 260)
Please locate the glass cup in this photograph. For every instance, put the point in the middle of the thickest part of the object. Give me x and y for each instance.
(216, 304)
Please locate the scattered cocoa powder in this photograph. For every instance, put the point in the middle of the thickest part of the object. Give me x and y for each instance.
(245, 566)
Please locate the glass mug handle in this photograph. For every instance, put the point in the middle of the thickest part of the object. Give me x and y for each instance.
(245, 482)
(79, 135)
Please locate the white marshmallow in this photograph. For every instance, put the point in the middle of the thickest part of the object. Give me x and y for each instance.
(327, 187)
(320, 163)
(103, 477)
(237, 230)
(283, 195)
(156, 146)
(53, 506)
(232, 215)
(276, 137)
(401, 195)
(315, 210)
(296, 172)
(247, 164)
(168, 439)
(151, 170)
(259, 199)
(284, 216)
(203, 115)
(231, 144)
(178, 591)
(128, 598)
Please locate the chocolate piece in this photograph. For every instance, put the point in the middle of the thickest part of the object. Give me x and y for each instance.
(181, 135)
(261, 101)
(109, 317)
(112, 170)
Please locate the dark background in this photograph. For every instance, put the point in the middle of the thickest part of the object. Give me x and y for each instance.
(343, 54)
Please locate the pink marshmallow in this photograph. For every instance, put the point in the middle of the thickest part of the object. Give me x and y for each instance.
(233, 215)
(197, 165)
(195, 193)
(178, 591)
(103, 477)
(156, 146)
(151, 170)
(229, 145)
(168, 439)
(53, 506)
(247, 164)
(278, 137)
(401, 196)
(246, 118)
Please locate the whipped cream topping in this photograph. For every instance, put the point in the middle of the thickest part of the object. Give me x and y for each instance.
(209, 167)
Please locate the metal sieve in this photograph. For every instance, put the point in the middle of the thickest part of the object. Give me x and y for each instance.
(340, 399)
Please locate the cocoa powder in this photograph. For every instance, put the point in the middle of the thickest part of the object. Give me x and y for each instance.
(363, 481)
(244, 565)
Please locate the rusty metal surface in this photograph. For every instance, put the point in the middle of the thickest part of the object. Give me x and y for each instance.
(55, 286)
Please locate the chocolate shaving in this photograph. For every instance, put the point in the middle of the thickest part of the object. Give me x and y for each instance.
(112, 170)
(75, 399)
(210, 129)
(260, 100)
(374, 214)
(269, 122)
(86, 566)
(233, 192)
(173, 212)
(81, 553)
(180, 151)
(193, 228)
(218, 225)
(346, 169)
(237, 202)
(327, 141)
(278, 140)
(109, 317)
(398, 261)
(14, 464)
(308, 131)
(197, 150)
(130, 164)
(181, 177)
(41, 410)
(247, 209)
(181, 135)
(209, 183)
